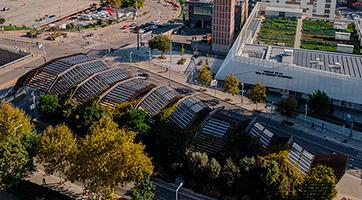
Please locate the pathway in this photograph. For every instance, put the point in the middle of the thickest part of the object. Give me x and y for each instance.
(298, 34)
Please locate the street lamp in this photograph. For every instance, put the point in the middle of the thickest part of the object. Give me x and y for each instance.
(242, 95)
(130, 56)
(16, 128)
(169, 70)
(149, 59)
(305, 115)
(181, 184)
(15, 45)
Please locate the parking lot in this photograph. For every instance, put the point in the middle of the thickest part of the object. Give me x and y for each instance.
(25, 12)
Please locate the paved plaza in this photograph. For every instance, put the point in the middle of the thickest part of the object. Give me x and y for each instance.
(25, 12)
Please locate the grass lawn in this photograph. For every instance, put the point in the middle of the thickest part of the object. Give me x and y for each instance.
(17, 28)
(320, 35)
(276, 31)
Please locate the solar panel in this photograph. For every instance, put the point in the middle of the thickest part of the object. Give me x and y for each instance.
(76, 75)
(300, 157)
(158, 99)
(125, 91)
(56, 67)
(216, 127)
(186, 111)
(42, 81)
(98, 83)
(263, 134)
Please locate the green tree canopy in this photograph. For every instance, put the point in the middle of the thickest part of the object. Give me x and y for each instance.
(161, 43)
(143, 190)
(280, 178)
(257, 94)
(231, 85)
(230, 174)
(108, 156)
(135, 120)
(204, 75)
(56, 148)
(88, 113)
(319, 183)
(17, 145)
(320, 103)
(48, 104)
(288, 107)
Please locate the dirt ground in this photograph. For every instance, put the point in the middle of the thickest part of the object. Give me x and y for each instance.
(24, 12)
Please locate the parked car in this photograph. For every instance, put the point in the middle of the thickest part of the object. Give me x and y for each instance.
(5, 9)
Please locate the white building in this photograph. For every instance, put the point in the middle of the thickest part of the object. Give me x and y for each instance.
(315, 8)
(291, 70)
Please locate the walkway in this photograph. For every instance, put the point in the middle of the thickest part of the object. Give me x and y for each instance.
(298, 34)
(70, 189)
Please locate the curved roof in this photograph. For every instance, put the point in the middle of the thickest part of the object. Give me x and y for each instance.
(75, 75)
(58, 75)
(98, 83)
(187, 110)
(157, 99)
(125, 91)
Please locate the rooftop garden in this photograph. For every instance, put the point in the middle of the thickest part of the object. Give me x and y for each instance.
(320, 35)
(278, 31)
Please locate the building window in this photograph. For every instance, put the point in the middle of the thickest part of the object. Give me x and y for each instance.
(327, 11)
(328, 6)
(328, 1)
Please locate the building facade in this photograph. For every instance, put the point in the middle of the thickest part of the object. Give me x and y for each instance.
(223, 25)
(198, 14)
(293, 71)
(315, 8)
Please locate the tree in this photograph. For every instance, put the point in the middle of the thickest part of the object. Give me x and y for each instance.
(182, 51)
(280, 178)
(161, 43)
(197, 163)
(319, 183)
(88, 113)
(17, 145)
(257, 94)
(143, 190)
(231, 85)
(204, 75)
(288, 107)
(213, 169)
(2, 20)
(48, 104)
(135, 120)
(56, 148)
(320, 103)
(229, 174)
(115, 4)
(108, 156)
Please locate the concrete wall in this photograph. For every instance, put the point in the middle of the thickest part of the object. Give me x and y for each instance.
(7, 56)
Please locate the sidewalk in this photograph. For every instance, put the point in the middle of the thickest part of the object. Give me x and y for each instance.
(70, 189)
(329, 134)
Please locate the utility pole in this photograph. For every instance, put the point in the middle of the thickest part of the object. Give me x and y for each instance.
(242, 95)
(169, 70)
(305, 115)
(15, 45)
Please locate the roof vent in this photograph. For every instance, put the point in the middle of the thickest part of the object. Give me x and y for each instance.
(288, 52)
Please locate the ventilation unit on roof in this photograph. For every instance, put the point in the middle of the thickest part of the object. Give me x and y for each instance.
(336, 65)
(317, 61)
(288, 52)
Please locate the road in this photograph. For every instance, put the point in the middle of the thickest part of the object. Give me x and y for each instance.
(316, 144)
